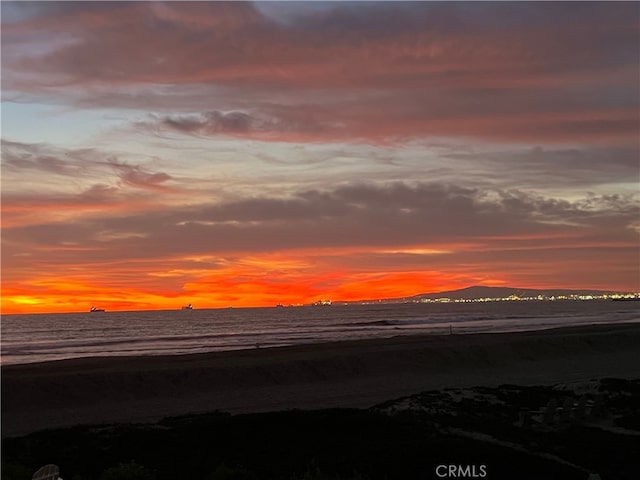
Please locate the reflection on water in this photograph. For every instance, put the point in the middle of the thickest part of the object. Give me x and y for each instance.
(44, 337)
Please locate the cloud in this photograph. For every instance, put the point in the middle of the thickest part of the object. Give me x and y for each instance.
(373, 72)
(136, 176)
(18, 156)
(236, 123)
(580, 167)
(348, 216)
(41, 181)
(373, 235)
(379, 121)
(44, 159)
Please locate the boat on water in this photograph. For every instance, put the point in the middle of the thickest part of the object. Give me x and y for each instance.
(95, 309)
(187, 307)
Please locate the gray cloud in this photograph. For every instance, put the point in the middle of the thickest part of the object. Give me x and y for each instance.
(43, 160)
(18, 156)
(136, 176)
(268, 120)
(351, 215)
(541, 72)
(581, 167)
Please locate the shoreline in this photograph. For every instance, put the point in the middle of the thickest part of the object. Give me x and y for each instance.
(354, 373)
(423, 335)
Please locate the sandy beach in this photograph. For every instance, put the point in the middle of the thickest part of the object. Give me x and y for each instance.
(344, 374)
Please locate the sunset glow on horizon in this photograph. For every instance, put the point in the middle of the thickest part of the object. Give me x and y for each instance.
(156, 154)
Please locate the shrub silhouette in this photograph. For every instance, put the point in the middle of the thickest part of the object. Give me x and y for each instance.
(223, 472)
(127, 471)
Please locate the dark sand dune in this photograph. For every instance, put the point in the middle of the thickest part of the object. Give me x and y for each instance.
(349, 374)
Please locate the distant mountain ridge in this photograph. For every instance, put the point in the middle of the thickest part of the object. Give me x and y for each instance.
(479, 291)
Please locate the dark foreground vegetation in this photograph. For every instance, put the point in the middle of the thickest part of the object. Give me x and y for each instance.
(560, 432)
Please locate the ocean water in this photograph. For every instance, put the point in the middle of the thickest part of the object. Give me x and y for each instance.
(47, 337)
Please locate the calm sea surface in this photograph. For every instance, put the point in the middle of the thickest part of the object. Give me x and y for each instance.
(45, 337)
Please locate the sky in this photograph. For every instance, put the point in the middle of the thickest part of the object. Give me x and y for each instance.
(156, 154)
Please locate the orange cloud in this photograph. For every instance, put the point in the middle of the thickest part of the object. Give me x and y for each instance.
(231, 287)
(304, 276)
